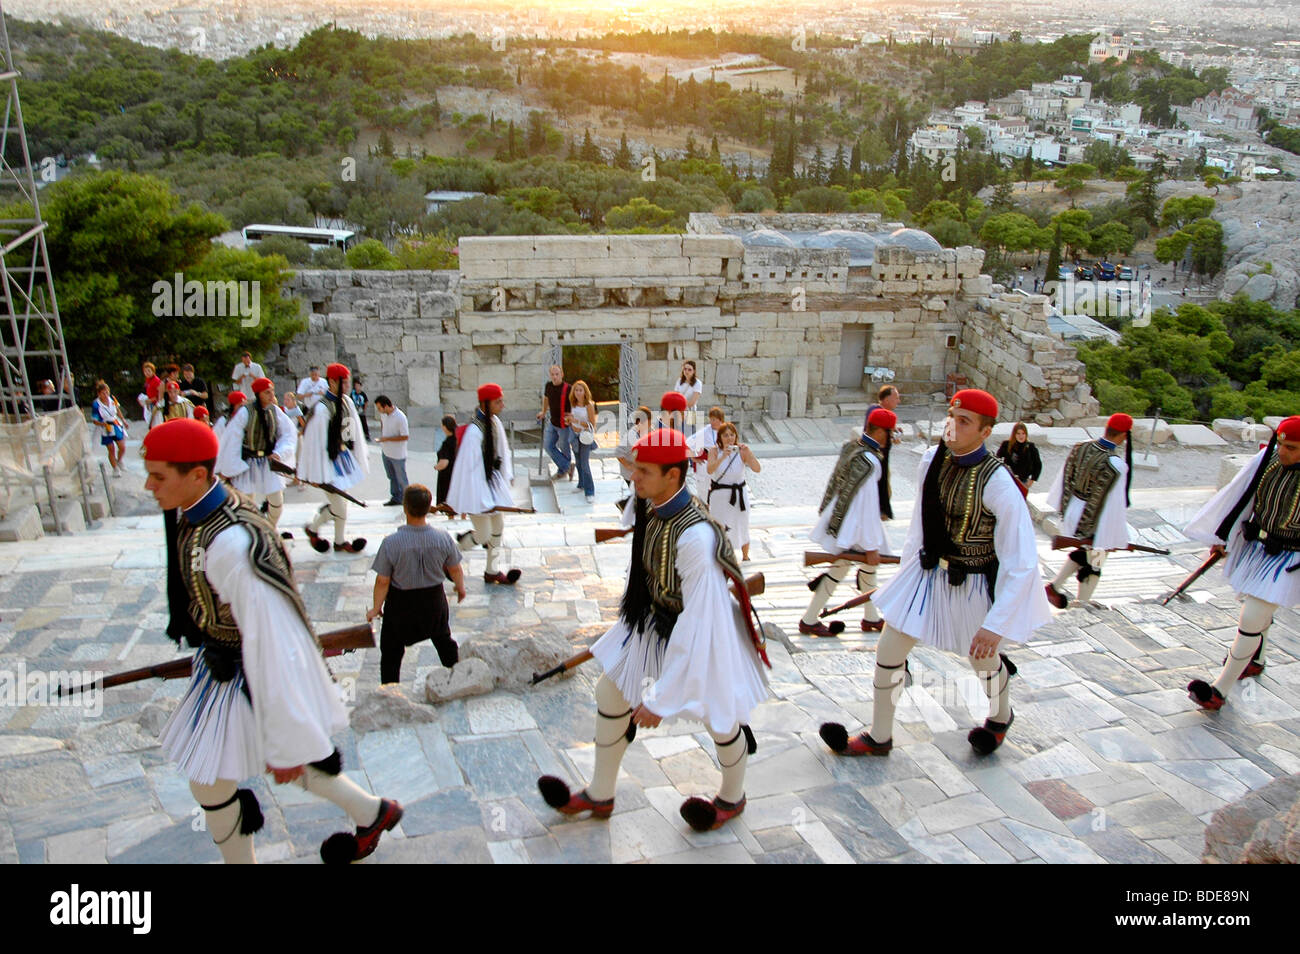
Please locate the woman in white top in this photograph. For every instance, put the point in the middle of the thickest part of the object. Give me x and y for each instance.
(728, 498)
(108, 415)
(582, 419)
(689, 386)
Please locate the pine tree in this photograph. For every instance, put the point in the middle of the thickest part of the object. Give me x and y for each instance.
(510, 140)
(839, 173)
(573, 151)
(855, 159)
(623, 158)
(590, 151)
(715, 154)
(1003, 200)
(692, 150)
(1054, 256)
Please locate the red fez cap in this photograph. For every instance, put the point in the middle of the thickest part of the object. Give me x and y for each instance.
(673, 401)
(261, 384)
(180, 441)
(662, 446)
(976, 401)
(338, 371)
(882, 417)
(1120, 422)
(1289, 430)
(173, 386)
(236, 398)
(200, 413)
(489, 392)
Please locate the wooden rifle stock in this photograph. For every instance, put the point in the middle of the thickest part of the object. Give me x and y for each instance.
(334, 643)
(1063, 543)
(849, 604)
(813, 557)
(754, 585)
(604, 534)
(1214, 557)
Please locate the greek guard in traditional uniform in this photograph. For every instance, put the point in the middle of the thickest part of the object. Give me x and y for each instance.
(1255, 521)
(334, 453)
(253, 438)
(260, 696)
(856, 500)
(681, 648)
(481, 480)
(1092, 494)
(968, 579)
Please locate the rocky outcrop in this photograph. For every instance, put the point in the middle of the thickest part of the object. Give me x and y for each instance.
(389, 707)
(1261, 829)
(1261, 234)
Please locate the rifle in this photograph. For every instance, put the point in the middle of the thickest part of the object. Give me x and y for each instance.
(280, 467)
(849, 604)
(754, 586)
(1196, 574)
(813, 557)
(444, 508)
(604, 534)
(334, 643)
(1062, 543)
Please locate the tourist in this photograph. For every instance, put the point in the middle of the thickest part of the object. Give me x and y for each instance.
(1021, 456)
(108, 415)
(359, 400)
(700, 443)
(311, 389)
(556, 437)
(446, 457)
(581, 420)
(194, 389)
(889, 398)
(690, 387)
(394, 437)
(727, 498)
(409, 571)
(246, 372)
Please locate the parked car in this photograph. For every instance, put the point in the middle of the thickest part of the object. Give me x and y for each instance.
(1125, 273)
(1083, 273)
(1105, 271)
(1063, 272)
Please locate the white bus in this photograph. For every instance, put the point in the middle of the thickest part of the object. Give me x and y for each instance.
(316, 238)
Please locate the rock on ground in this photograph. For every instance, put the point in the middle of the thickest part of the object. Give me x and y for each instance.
(471, 677)
(514, 657)
(388, 707)
(1262, 828)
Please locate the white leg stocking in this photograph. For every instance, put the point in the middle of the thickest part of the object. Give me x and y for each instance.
(613, 716)
(891, 657)
(222, 814)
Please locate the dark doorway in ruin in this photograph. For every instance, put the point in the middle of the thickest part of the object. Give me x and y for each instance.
(855, 345)
(597, 364)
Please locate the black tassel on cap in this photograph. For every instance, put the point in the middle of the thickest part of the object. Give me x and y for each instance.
(1225, 528)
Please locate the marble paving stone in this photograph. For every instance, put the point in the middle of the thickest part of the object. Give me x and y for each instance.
(1192, 742)
(642, 834)
(661, 747)
(570, 842)
(1053, 848)
(459, 846)
(115, 768)
(1060, 799)
(980, 842)
(1006, 792)
(940, 770)
(1120, 847)
(919, 792)
(1174, 851)
(508, 853)
(791, 771)
(775, 811)
(946, 850)
(960, 812)
(824, 843)
(1254, 703)
(854, 823)
(498, 712)
(1047, 673)
(1104, 790)
(1208, 776)
(497, 767)
(444, 811)
(78, 848)
(173, 844)
(1007, 841)
(693, 772)
(1150, 816)
(1288, 762)
(395, 764)
(1119, 744)
(734, 854)
(1060, 761)
(128, 833)
(437, 751)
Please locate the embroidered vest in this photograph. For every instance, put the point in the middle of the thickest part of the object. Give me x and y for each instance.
(659, 559)
(270, 562)
(970, 523)
(854, 466)
(1277, 507)
(260, 433)
(1089, 475)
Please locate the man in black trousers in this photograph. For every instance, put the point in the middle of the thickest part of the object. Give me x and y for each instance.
(410, 568)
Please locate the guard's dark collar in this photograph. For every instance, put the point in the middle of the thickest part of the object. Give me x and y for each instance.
(971, 459)
(674, 506)
(480, 416)
(207, 504)
(870, 442)
(1109, 445)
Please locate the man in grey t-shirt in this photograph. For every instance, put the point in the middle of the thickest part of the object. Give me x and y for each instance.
(410, 568)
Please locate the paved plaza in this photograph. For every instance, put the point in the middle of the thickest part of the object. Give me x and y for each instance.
(1108, 761)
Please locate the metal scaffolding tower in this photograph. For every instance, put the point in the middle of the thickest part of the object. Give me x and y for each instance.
(43, 435)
